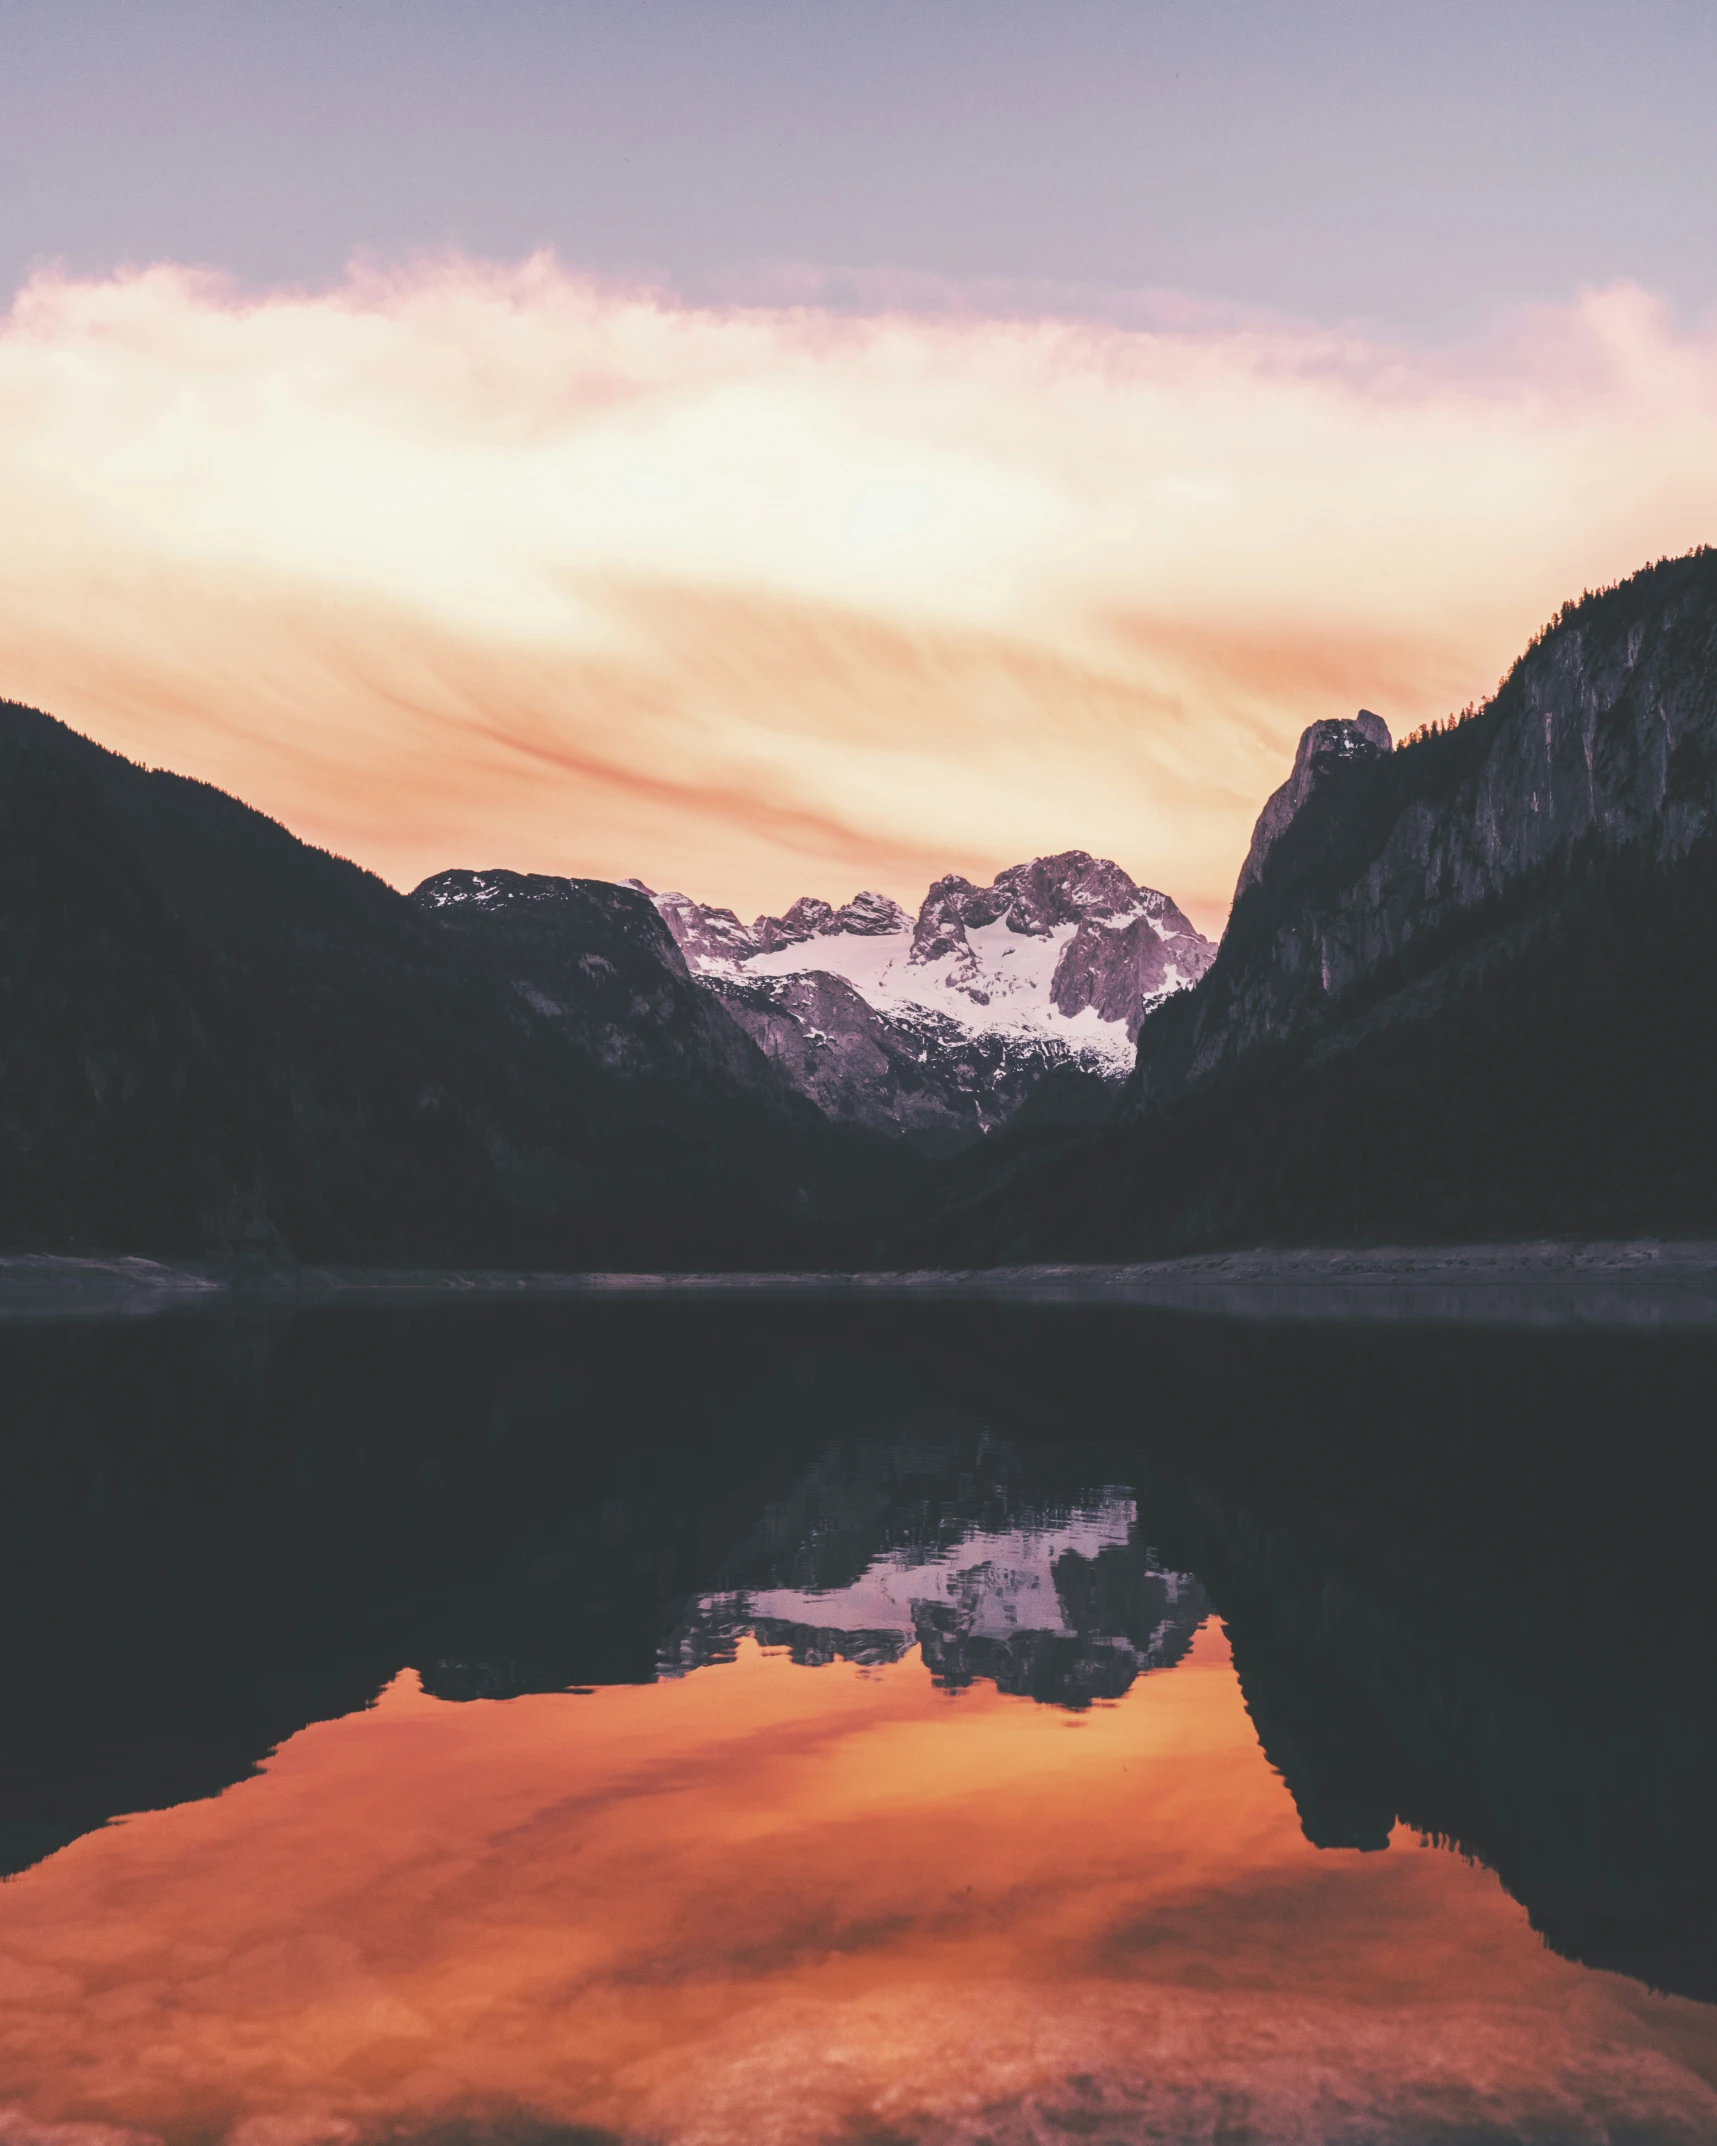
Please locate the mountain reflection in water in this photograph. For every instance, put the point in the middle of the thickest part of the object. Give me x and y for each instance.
(1064, 1607)
(883, 1754)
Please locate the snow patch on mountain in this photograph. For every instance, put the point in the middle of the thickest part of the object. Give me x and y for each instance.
(1002, 990)
(1066, 950)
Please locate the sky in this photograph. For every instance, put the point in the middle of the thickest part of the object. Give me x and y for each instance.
(781, 449)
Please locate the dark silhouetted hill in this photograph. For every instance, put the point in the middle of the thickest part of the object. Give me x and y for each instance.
(220, 1038)
(1469, 986)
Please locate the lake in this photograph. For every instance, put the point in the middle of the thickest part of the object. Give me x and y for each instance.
(777, 1723)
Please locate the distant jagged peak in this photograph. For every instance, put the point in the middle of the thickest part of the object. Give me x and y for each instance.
(868, 916)
(705, 934)
(1039, 899)
(951, 905)
(803, 921)
(1324, 745)
(1068, 947)
(712, 934)
(1066, 889)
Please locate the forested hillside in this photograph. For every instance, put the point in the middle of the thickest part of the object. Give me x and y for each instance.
(1506, 1093)
(1472, 990)
(217, 1038)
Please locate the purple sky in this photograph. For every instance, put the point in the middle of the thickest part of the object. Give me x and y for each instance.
(778, 449)
(1412, 166)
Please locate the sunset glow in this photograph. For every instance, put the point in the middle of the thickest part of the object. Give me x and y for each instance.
(729, 1420)
(769, 1905)
(485, 565)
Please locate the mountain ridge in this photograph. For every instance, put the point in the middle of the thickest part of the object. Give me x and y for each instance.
(944, 1025)
(1466, 990)
(1468, 987)
(1604, 733)
(221, 1038)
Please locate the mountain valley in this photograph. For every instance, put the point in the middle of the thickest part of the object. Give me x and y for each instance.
(1465, 992)
(223, 1040)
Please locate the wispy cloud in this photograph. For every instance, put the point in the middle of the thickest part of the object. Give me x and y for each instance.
(478, 564)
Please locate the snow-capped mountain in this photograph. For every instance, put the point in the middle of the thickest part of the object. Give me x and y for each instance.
(942, 1025)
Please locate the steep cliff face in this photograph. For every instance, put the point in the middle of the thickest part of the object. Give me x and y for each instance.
(1122, 968)
(1323, 748)
(1367, 862)
(1468, 989)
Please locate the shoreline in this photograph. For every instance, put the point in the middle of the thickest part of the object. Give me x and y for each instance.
(1606, 1283)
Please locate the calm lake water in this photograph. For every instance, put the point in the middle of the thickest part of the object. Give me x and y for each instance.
(777, 1724)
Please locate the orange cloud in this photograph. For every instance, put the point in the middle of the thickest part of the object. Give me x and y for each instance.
(481, 565)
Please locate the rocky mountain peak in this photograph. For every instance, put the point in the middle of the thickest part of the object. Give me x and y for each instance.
(949, 907)
(1110, 946)
(1601, 740)
(702, 935)
(943, 1024)
(1038, 899)
(709, 935)
(469, 890)
(868, 916)
(803, 921)
(1323, 746)
(607, 917)
(1065, 889)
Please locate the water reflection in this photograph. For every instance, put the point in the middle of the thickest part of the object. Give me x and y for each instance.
(883, 1755)
(1064, 1606)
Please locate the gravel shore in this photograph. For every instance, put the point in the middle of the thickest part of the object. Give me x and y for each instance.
(1643, 1282)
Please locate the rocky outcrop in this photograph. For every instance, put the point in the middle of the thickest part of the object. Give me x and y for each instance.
(1124, 969)
(716, 937)
(698, 933)
(1323, 748)
(867, 916)
(615, 918)
(803, 921)
(914, 1073)
(1602, 738)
